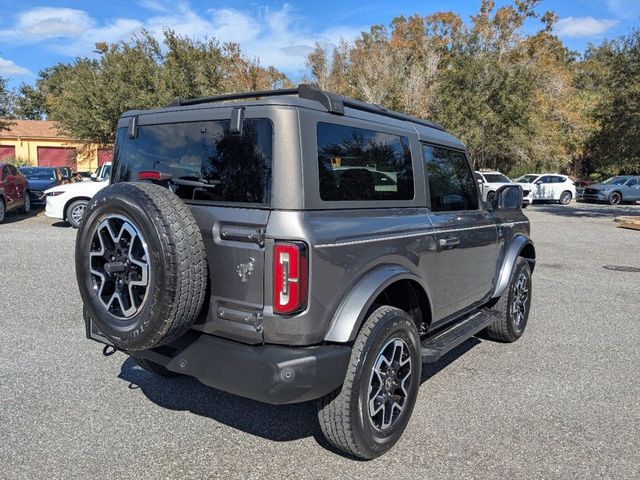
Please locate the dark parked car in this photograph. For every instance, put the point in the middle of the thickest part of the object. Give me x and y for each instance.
(301, 246)
(14, 190)
(615, 190)
(41, 179)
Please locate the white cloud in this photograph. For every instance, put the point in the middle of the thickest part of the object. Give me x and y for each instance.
(583, 26)
(275, 36)
(8, 67)
(45, 23)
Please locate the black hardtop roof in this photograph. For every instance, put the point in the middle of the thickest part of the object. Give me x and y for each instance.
(305, 96)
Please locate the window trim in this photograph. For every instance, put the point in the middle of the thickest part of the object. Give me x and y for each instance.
(480, 206)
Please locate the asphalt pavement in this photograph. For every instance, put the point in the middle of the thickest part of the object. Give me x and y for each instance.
(562, 402)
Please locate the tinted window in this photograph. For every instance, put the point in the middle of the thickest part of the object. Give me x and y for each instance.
(526, 178)
(451, 184)
(359, 164)
(12, 170)
(496, 178)
(5, 171)
(205, 161)
(633, 182)
(558, 179)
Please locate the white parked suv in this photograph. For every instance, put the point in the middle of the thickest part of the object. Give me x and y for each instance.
(491, 181)
(549, 187)
(68, 202)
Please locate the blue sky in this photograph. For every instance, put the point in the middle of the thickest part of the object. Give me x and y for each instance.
(35, 34)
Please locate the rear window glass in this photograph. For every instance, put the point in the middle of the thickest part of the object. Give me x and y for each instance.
(204, 160)
(360, 164)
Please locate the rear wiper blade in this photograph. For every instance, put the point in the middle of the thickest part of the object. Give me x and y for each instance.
(194, 183)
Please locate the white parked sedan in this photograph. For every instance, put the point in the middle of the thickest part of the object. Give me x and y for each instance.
(68, 202)
(549, 187)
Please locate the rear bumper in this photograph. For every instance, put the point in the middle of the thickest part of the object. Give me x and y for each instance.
(267, 373)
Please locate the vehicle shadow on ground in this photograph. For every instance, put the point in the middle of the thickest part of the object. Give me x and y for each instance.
(61, 224)
(280, 423)
(586, 210)
(13, 217)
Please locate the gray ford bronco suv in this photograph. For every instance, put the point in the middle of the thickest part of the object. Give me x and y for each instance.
(295, 245)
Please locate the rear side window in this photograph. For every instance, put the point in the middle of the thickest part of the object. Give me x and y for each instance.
(451, 183)
(358, 164)
(205, 161)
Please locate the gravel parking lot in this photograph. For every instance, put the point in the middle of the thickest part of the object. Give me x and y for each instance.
(563, 402)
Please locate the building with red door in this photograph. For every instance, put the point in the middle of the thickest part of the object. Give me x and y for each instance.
(38, 142)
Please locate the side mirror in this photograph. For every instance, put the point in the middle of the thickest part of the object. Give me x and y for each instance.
(538, 182)
(508, 197)
(94, 177)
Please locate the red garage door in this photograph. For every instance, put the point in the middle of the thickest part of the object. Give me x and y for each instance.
(104, 155)
(7, 151)
(57, 157)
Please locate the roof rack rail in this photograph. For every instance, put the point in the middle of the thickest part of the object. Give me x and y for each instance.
(332, 102)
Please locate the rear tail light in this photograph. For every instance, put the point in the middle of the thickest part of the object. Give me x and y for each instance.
(290, 272)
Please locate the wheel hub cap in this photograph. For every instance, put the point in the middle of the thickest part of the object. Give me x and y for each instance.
(520, 297)
(389, 384)
(78, 212)
(119, 266)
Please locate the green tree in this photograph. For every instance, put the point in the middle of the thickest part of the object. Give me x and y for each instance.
(88, 96)
(6, 105)
(613, 71)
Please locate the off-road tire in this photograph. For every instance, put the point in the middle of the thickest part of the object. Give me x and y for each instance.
(343, 414)
(177, 278)
(153, 367)
(506, 328)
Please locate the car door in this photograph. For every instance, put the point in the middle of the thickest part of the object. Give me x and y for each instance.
(632, 189)
(19, 183)
(560, 184)
(543, 188)
(466, 236)
(9, 186)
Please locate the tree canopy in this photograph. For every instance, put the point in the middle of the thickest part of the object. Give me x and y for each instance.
(520, 101)
(87, 96)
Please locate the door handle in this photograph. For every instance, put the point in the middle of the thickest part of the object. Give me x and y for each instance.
(449, 242)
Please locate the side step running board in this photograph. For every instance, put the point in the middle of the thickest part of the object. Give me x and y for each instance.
(433, 348)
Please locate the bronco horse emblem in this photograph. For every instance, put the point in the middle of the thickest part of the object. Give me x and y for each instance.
(245, 270)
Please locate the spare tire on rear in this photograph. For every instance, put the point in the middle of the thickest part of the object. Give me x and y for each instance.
(140, 264)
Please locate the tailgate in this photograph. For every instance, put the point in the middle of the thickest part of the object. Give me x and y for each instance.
(234, 243)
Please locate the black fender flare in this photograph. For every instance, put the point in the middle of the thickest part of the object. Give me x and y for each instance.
(352, 310)
(518, 244)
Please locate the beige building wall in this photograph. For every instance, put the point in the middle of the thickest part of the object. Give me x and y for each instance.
(27, 150)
